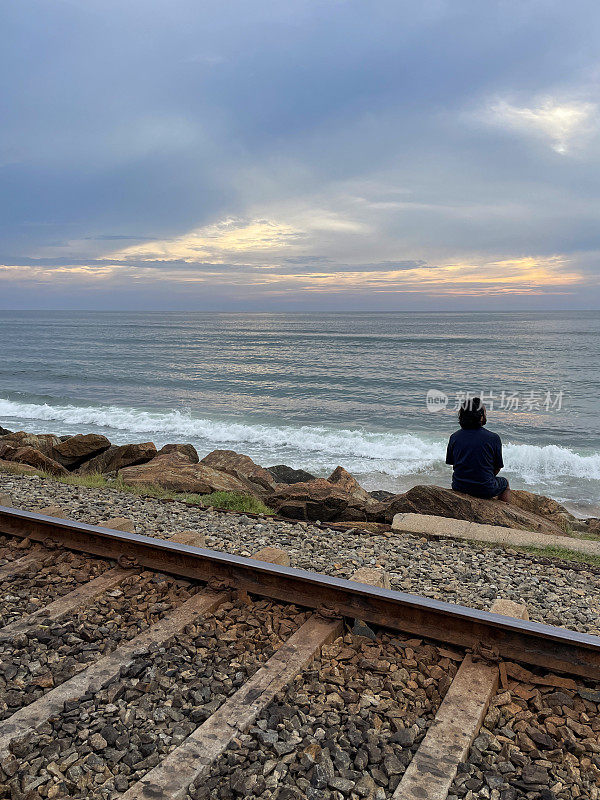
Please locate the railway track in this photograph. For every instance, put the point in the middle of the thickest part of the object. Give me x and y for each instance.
(140, 668)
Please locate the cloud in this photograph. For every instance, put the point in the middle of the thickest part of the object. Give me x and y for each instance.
(258, 240)
(107, 237)
(304, 150)
(565, 125)
(227, 238)
(522, 276)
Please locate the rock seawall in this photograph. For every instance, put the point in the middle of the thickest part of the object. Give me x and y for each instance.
(291, 493)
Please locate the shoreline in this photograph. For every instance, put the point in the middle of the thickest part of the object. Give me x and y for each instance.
(224, 475)
(388, 461)
(375, 479)
(573, 549)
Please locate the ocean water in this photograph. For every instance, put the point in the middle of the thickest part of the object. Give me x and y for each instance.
(315, 391)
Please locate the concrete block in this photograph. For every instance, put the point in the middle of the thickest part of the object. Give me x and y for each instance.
(5, 500)
(428, 523)
(494, 534)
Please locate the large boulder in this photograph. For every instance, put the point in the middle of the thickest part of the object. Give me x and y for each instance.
(34, 458)
(337, 498)
(259, 480)
(442, 502)
(117, 457)
(4, 431)
(348, 484)
(312, 500)
(44, 442)
(187, 450)
(283, 474)
(543, 507)
(72, 452)
(174, 472)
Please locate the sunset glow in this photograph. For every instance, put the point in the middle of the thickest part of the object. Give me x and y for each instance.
(378, 156)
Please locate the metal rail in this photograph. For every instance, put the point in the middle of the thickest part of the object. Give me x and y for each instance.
(529, 642)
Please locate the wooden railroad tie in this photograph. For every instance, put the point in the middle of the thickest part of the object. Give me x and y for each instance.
(433, 768)
(193, 759)
(105, 669)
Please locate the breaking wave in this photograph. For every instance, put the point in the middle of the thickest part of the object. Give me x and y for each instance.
(533, 463)
(311, 446)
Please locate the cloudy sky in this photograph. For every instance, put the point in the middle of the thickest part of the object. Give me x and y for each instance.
(308, 154)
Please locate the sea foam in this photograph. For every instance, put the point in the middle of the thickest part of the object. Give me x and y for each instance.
(314, 447)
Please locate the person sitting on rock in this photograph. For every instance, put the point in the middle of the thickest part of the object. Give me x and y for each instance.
(476, 455)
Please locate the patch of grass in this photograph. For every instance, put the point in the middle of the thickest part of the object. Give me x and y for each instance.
(231, 501)
(142, 489)
(550, 551)
(95, 480)
(579, 534)
(562, 553)
(594, 537)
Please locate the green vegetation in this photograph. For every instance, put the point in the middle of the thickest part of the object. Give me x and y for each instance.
(550, 551)
(231, 501)
(583, 535)
(568, 529)
(562, 553)
(95, 480)
(576, 533)
(594, 537)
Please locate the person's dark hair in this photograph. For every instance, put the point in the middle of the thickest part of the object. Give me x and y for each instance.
(471, 413)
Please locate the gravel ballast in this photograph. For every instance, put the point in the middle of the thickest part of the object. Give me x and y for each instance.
(346, 727)
(102, 743)
(537, 741)
(34, 662)
(455, 571)
(11, 548)
(56, 573)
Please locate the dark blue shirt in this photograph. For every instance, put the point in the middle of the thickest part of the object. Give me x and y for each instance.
(476, 456)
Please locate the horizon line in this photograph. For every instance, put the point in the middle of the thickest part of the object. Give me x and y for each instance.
(284, 311)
